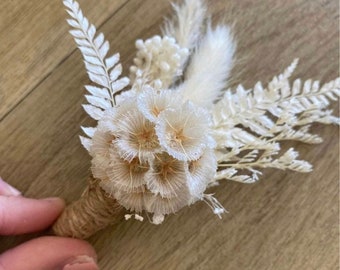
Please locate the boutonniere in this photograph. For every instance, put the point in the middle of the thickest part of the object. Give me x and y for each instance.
(172, 128)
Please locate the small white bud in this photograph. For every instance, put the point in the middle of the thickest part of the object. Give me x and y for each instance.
(157, 219)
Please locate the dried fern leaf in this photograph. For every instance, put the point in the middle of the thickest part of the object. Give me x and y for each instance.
(277, 108)
(102, 70)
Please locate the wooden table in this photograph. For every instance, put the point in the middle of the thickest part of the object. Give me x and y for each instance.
(286, 221)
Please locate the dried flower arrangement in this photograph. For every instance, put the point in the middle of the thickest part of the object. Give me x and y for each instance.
(171, 130)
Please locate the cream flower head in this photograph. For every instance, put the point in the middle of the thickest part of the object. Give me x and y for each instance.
(153, 152)
(159, 58)
(184, 132)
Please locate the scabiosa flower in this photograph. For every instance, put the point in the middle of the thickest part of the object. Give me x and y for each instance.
(159, 58)
(101, 141)
(136, 136)
(159, 205)
(167, 176)
(133, 201)
(99, 166)
(151, 102)
(200, 172)
(183, 132)
(99, 150)
(153, 152)
(126, 175)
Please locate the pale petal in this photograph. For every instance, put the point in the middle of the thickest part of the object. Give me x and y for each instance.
(167, 176)
(136, 136)
(151, 102)
(125, 175)
(183, 133)
(131, 201)
(162, 206)
(201, 172)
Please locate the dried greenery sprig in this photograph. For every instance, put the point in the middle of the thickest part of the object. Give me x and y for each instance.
(174, 130)
(249, 124)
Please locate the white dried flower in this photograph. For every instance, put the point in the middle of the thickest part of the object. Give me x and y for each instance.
(126, 175)
(158, 58)
(183, 132)
(132, 201)
(200, 172)
(141, 173)
(167, 176)
(164, 206)
(99, 165)
(101, 140)
(136, 136)
(151, 102)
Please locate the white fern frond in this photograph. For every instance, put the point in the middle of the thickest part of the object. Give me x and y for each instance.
(289, 70)
(301, 134)
(278, 81)
(288, 161)
(269, 111)
(225, 174)
(231, 174)
(98, 92)
(89, 131)
(93, 111)
(209, 68)
(250, 157)
(102, 70)
(253, 161)
(86, 142)
(238, 138)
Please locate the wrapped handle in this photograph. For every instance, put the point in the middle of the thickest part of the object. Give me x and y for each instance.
(92, 212)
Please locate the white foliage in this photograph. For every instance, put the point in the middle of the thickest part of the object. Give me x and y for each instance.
(288, 161)
(89, 131)
(86, 142)
(231, 174)
(93, 111)
(209, 67)
(102, 70)
(288, 106)
(249, 124)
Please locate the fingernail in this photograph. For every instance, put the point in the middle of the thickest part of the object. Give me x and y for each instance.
(52, 199)
(55, 200)
(82, 263)
(7, 190)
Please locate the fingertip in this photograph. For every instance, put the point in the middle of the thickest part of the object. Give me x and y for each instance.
(54, 253)
(55, 202)
(22, 215)
(8, 190)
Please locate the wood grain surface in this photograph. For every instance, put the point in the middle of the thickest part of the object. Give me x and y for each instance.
(285, 221)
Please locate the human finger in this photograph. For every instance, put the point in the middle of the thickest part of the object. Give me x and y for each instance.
(7, 190)
(20, 215)
(50, 253)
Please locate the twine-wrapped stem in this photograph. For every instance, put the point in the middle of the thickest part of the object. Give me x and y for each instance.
(92, 212)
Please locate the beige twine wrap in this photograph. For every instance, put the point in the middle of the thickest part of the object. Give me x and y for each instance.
(92, 212)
